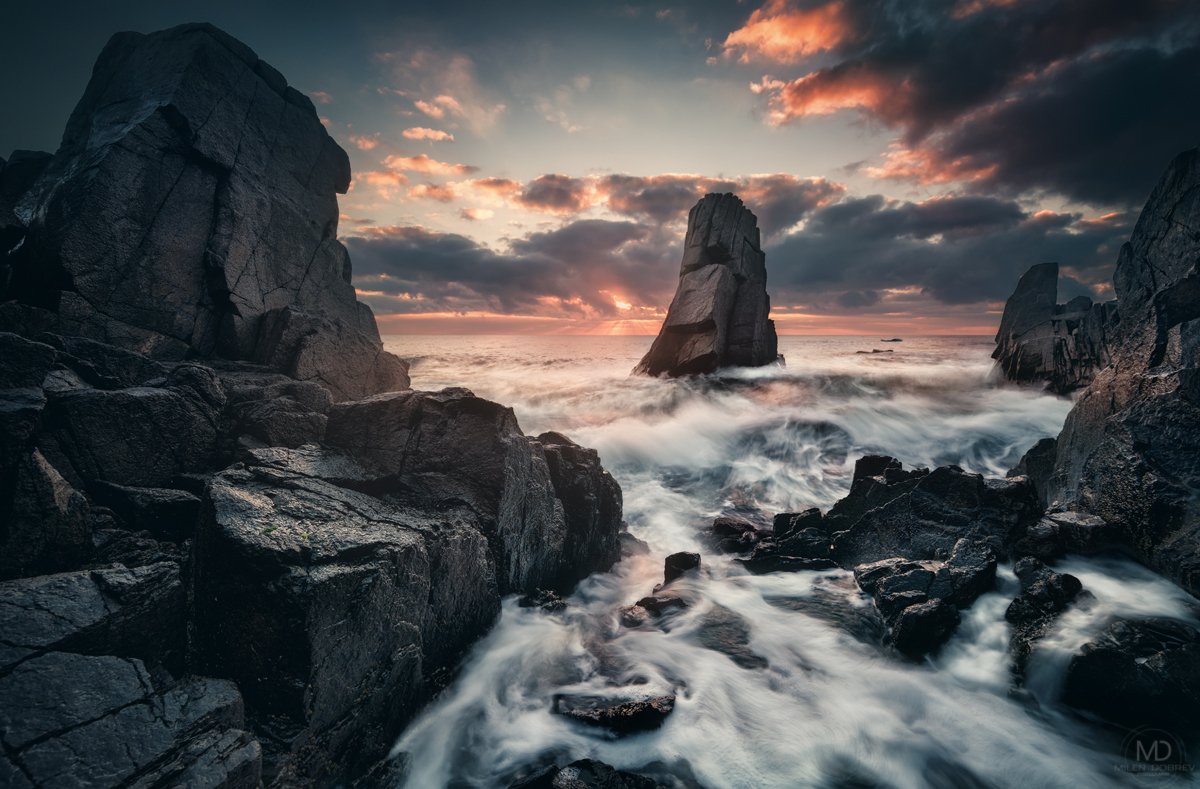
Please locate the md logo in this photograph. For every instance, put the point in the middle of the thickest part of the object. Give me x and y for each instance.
(1150, 750)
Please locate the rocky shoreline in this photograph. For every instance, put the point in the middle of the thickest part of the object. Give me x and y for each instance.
(236, 547)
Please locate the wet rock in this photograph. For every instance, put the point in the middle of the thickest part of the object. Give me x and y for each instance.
(280, 412)
(724, 631)
(140, 436)
(544, 599)
(185, 141)
(584, 774)
(923, 516)
(718, 317)
(46, 526)
(102, 365)
(1063, 345)
(1037, 464)
(106, 720)
(437, 449)
(652, 608)
(132, 612)
(131, 549)
(166, 513)
(591, 501)
(1044, 595)
(734, 534)
(333, 609)
(923, 627)
(621, 716)
(914, 597)
(1060, 533)
(677, 564)
(1128, 451)
(1138, 673)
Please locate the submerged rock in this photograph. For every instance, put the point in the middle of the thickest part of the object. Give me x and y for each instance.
(1130, 449)
(584, 774)
(1045, 594)
(719, 316)
(1039, 340)
(1139, 673)
(191, 211)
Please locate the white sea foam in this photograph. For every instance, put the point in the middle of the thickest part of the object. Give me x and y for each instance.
(830, 707)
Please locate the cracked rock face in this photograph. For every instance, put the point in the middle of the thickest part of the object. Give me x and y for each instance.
(1130, 449)
(192, 211)
(718, 317)
(1039, 340)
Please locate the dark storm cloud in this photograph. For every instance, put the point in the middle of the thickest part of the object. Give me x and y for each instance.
(578, 269)
(957, 250)
(1029, 94)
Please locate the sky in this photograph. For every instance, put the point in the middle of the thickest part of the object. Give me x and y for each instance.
(527, 167)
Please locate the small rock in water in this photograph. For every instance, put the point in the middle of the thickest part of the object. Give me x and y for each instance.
(544, 599)
(679, 563)
(621, 716)
(724, 631)
(1044, 595)
(734, 534)
(584, 774)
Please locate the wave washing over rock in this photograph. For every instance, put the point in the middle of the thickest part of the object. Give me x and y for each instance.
(235, 547)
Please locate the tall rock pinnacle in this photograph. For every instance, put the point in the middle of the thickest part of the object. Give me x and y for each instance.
(718, 317)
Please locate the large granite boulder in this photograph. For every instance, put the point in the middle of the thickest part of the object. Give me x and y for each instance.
(338, 585)
(719, 316)
(1130, 449)
(191, 210)
(78, 720)
(1040, 340)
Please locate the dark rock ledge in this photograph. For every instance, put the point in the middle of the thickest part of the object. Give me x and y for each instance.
(235, 548)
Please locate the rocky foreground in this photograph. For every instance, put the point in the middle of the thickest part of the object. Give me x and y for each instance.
(235, 547)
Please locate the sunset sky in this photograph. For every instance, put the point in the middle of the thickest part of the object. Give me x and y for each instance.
(528, 167)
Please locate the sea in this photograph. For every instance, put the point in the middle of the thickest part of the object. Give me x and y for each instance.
(826, 706)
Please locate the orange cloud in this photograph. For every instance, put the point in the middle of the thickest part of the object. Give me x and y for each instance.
(443, 194)
(966, 8)
(364, 142)
(476, 214)
(827, 92)
(423, 133)
(781, 33)
(927, 165)
(424, 164)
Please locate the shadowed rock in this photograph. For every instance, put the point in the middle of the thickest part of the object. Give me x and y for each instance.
(1130, 449)
(1061, 344)
(584, 774)
(191, 210)
(1044, 595)
(718, 317)
(620, 716)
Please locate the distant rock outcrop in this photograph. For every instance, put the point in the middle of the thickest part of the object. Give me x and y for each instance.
(718, 317)
(191, 211)
(1130, 449)
(1041, 340)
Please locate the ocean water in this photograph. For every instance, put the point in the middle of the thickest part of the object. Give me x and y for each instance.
(826, 707)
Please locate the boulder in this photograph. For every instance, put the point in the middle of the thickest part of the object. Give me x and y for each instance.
(1037, 464)
(436, 449)
(919, 600)
(1139, 673)
(332, 608)
(620, 715)
(675, 565)
(1129, 451)
(46, 525)
(140, 436)
(72, 719)
(113, 611)
(166, 513)
(1044, 595)
(719, 316)
(923, 516)
(1062, 345)
(734, 534)
(191, 210)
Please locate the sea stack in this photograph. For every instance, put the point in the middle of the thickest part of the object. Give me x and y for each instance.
(718, 317)
(1039, 339)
